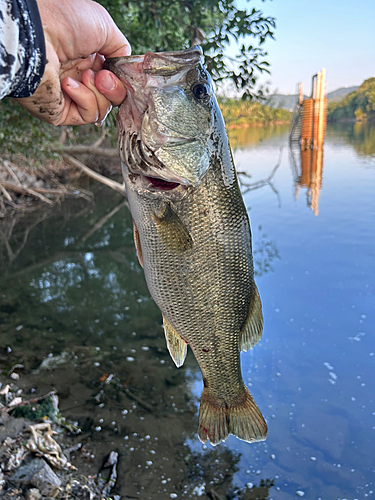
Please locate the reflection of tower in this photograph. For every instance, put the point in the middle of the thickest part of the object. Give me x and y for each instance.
(307, 138)
(311, 175)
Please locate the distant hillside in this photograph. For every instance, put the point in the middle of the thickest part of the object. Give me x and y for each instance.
(284, 101)
(356, 106)
(288, 101)
(339, 94)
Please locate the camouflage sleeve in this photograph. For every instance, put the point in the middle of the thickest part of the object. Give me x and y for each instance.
(22, 48)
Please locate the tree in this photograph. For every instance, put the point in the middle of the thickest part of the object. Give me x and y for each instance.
(156, 25)
(163, 25)
(356, 105)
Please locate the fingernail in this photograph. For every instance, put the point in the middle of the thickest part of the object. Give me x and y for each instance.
(72, 83)
(109, 83)
(92, 77)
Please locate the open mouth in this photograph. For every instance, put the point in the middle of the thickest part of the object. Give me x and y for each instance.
(147, 173)
(162, 184)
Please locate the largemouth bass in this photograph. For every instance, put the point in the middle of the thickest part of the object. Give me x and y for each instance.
(191, 229)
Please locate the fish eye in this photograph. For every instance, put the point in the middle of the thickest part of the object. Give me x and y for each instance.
(200, 91)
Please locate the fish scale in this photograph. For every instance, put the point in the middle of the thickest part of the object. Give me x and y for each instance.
(193, 238)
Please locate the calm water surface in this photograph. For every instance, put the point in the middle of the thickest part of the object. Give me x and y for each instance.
(72, 292)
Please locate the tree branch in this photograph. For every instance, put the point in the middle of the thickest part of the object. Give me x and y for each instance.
(85, 150)
(5, 193)
(23, 190)
(103, 221)
(116, 186)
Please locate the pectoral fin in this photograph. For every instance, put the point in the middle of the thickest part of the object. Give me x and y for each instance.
(137, 243)
(252, 331)
(177, 347)
(171, 230)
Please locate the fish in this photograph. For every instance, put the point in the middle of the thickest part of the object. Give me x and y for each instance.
(191, 229)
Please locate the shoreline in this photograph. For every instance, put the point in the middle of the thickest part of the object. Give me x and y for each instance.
(256, 124)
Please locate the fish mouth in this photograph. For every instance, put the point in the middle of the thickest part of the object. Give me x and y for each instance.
(160, 63)
(161, 184)
(153, 186)
(146, 172)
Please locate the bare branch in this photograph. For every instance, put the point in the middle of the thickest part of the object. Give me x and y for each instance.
(11, 172)
(98, 142)
(5, 193)
(26, 191)
(263, 182)
(63, 135)
(85, 150)
(116, 186)
(103, 220)
(143, 403)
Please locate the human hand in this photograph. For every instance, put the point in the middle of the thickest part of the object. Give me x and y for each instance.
(75, 90)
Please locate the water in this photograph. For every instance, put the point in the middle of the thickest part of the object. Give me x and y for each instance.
(70, 285)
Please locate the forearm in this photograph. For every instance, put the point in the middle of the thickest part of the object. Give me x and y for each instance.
(22, 48)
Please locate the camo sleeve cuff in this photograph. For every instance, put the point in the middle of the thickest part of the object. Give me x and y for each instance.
(22, 48)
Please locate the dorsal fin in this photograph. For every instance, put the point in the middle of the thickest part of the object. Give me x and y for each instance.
(177, 347)
(252, 331)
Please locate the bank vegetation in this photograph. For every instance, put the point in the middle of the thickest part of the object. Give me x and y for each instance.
(35, 158)
(356, 106)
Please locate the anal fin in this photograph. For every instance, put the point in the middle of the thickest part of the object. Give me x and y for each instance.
(177, 347)
(252, 331)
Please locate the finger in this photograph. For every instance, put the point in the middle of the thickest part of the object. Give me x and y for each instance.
(110, 86)
(104, 105)
(98, 63)
(83, 105)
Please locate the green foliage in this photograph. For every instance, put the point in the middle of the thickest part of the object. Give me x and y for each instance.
(160, 25)
(22, 134)
(239, 113)
(163, 25)
(37, 411)
(356, 105)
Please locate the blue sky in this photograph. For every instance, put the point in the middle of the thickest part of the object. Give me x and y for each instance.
(338, 35)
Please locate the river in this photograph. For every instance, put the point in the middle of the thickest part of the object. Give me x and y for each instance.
(72, 292)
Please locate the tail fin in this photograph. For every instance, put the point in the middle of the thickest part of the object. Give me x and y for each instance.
(244, 420)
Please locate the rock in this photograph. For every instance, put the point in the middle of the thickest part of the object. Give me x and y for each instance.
(33, 494)
(13, 427)
(39, 474)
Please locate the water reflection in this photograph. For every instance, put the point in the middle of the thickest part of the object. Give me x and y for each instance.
(73, 285)
(360, 135)
(307, 164)
(252, 136)
(75, 308)
(307, 170)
